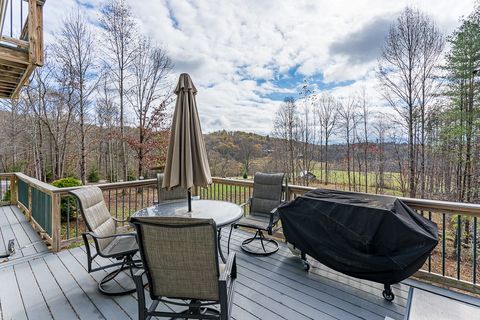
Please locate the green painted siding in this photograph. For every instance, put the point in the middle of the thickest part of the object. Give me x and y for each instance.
(23, 192)
(42, 209)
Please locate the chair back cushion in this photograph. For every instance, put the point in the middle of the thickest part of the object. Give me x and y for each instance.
(267, 192)
(180, 256)
(165, 194)
(95, 213)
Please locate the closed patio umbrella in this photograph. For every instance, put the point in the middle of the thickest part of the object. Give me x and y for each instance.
(187, 163)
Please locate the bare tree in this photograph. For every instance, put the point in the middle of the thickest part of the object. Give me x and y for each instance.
(286, 123)
(75, 54)
(107, 119)
(327, 117)
(365, 113)
(119, 32)
(308, 133)
(399, 74)
(431, 50)
(49, 98)
(346, 113)
(149, 97)
(380, 126)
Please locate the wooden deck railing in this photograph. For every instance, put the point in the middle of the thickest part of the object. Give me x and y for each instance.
(454, 262)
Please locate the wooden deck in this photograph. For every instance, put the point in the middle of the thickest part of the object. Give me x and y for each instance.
(44, 285)
(14, 225)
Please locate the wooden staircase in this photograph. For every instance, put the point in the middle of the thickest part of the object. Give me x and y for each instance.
(20, 55)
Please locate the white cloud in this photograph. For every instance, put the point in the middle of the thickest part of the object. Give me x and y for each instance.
(238, 51)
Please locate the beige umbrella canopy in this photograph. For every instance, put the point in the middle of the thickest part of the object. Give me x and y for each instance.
(187, 163)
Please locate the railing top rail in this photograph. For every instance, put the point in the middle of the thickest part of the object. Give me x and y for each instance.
(6, 175)
(113, 185)
(47, 188)
(471, 209)
(43, 186)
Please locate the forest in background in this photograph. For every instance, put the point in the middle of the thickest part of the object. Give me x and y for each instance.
(102, 112)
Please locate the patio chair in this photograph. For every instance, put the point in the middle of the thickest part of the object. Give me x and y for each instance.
(109, 243)
(165, 194)
(263, 216)
(180, 261)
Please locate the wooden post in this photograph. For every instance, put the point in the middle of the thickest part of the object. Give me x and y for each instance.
(32, 31)
(39, 55)
(56, 223)
(13, 190)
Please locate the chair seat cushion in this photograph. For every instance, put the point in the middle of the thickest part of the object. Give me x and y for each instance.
(255, 221)
(121, 246)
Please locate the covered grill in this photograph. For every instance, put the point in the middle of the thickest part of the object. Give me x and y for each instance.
(371, 237)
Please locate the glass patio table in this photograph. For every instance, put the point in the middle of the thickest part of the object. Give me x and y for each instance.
(222, 212)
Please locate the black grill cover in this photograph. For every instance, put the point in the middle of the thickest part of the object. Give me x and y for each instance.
(371, 237)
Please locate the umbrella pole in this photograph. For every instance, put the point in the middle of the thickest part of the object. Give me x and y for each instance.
(189, 200)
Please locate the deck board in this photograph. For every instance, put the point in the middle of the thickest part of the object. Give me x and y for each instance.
(14, 225)
(10, 298)
(58, 286)
(55, 299)
(334, 299)
(77, 298)
(34, 237)
(35, 305)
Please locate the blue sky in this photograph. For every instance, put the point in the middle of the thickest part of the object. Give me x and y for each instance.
(245, 56)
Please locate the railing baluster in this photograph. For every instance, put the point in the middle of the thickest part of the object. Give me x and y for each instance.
(430, 255)
(116, 203)
(129, 203)
(123, 204)
(11, 19)
(68, 219)
(459, 244)
(76, 220)
(136, 199)
(443, 244)
(474, 250)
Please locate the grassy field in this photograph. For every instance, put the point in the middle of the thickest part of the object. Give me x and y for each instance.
(339, 178)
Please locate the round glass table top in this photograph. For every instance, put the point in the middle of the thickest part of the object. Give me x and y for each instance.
(224, 213)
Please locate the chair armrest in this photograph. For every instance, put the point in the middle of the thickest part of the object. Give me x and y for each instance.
(230, 268)
(139, 273)
(275, 215)
(245, 203)
(128, 234)
(120, 220)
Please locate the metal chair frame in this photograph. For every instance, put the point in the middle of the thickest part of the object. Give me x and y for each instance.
(196, 309)
(259, 235)
(126, 258)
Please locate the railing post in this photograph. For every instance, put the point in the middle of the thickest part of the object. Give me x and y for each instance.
(29, 211)
(13, 190)
(56, 222)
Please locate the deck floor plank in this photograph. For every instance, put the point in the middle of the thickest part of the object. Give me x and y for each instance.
(58, 286)
(26, 237)
(34, 237)
(334, 294)
(8, 233)
(100, 261)
(107, 306)
(127, 302)
(79, 301)
(58, 304)
(35, 304)
(11, 301)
